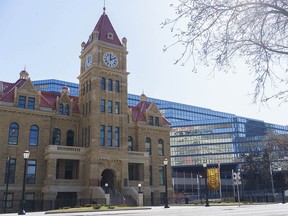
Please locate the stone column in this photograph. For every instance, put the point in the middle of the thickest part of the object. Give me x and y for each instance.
(140, 199)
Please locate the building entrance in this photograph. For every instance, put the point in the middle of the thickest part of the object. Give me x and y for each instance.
(108, 177)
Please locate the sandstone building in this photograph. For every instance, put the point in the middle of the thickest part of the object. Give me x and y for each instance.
(81, 147)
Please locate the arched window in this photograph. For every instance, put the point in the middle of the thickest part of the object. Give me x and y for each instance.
(61, 109)
(67, 109)
(103, 83)
(110, 85)
(160, 147)
(130, 143)
(148, 145)
(117, 86)
(13, 134)
(70, 138)
(34, 135)
(56, 136)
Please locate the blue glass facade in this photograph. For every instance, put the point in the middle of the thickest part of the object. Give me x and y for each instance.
(197, 132)
(52, 85)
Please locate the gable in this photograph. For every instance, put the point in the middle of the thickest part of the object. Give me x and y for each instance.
(153, 109)
(28, 88)
(64, 98)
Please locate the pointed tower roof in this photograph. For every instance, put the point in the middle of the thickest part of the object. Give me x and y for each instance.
(104, 31)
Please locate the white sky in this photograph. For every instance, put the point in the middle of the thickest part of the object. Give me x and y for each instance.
(45, 36)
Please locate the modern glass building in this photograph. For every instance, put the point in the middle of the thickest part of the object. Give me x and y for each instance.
(199, 135)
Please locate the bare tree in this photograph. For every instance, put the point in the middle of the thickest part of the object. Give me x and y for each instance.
(219, 32)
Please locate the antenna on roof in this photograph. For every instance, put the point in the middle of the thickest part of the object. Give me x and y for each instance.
(104, 8)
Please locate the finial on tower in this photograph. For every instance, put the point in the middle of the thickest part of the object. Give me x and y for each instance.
(104, 8)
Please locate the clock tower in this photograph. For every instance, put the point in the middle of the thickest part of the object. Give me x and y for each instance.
(104, 110)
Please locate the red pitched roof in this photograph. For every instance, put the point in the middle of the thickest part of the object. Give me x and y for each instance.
(104, 27)
(49, 99)
(9, 88)
(138, 112)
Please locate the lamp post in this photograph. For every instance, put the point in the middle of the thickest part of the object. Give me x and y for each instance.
(272, 181)
(106, 188)
(7, 182)
(282, 185)
(206, 185)
(139, 188)
(26, 155)
(166, 191)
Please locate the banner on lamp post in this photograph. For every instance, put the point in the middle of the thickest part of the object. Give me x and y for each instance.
(213, 179)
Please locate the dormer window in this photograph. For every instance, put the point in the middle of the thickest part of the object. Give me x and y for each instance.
(157, 121)
(150, 120)
(110, 36)
(22, 102)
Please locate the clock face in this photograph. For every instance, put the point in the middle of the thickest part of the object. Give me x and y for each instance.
(110, 59)
(88, 62)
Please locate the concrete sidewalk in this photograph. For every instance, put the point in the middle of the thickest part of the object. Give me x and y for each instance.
(244, 210)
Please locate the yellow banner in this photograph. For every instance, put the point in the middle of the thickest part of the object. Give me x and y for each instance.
(213, 178)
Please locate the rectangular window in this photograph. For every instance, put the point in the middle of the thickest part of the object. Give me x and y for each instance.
(117, 137)
(160, 148)
(110, 104)
(102, 105)
(110, 85)
(157, 121)
(86, 112)
(22, 102)
(31, 172)
(103, 83)
(9, 203)
(150, 176)
(68, 174)
(89, 107)
(67, 169)
(85, 137)
(11, 164)
(102, 135)
(117, 86)
(150, 120)
(31, 103)
(109, 135)
(161, 175)
(30, 200)
(88, 135)
(117, 107)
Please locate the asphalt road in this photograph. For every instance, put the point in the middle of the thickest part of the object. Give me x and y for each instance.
(247, 210)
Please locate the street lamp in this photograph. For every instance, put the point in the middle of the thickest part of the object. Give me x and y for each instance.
(166, 192)
(106, 188)
(7, 182)
(26, 155)
(206, 185)
(282, 185)
(139, 188)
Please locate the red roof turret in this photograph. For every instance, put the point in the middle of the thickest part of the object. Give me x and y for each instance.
(104, 31)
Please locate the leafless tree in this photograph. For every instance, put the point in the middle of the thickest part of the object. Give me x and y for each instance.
(220, 32)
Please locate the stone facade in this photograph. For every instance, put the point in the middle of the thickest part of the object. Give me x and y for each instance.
(83, 147)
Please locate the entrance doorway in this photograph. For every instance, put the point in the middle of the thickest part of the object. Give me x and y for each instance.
(108, 177)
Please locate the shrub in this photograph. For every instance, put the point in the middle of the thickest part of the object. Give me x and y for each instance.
(96, 206)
